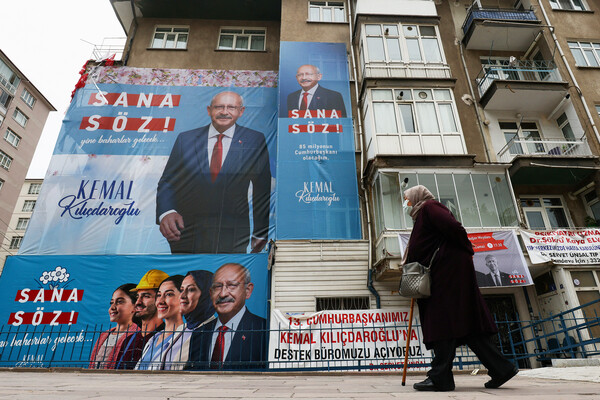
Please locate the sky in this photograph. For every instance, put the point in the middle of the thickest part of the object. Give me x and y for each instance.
(49, 41)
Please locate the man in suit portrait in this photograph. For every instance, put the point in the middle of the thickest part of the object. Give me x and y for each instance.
(202, 197)
(495, 277)
(237, 339)
(313, 96)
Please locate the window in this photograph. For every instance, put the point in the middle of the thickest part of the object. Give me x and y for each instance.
(342, 303)
(8, 77)
(545, 213)
(28, 98)
(586, 54)
(327, 11)
(516, 135)
(12, 137)
(20, 117)
(477, 200)
(170, 37)
(5, 98)
(414, 111)
(34, 188)
(15, 242)
(598, 110)
(5, 160)
(1, 183)
(587, 288)
(28, 206)
(592, 205)
(245, 39)
(407, 43)
(22, 224)
(565, 127)
(576, 5)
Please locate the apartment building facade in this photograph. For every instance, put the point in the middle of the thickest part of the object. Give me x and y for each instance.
(493, 104)
(23, 113)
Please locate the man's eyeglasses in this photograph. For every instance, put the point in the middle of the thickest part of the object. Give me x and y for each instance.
(305, 74)
(217, 287)
(223, 107)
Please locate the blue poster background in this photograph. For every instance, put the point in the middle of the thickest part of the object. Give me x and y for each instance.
(96, 148)
(317, 194)
(46, 345)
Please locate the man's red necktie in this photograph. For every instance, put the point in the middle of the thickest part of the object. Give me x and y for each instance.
(217, 158)
(304, 105)
(217, 355)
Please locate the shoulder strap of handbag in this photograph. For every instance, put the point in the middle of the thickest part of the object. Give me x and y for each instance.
(432, 257)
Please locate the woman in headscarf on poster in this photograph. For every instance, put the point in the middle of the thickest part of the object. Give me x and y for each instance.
(197, 309)
(158, 350)
(109, 346)
(456, 313)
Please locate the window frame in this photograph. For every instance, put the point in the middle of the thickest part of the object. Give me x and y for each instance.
(543, 209)
(595, 50)
(243, 33)
(15, 242)
(327, 5)
(17, 113)
(5, 160)
(12, 138)
(556, 5)
(22, 224)
(403, 43)
(37, 186)
(28, 206)
(171, 31)
(28, 98)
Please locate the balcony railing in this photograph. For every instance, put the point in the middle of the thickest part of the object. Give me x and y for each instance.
(497, 14)
(9, 86)
(546, 147)
(109, 46)
(526, 71)
(402, 70)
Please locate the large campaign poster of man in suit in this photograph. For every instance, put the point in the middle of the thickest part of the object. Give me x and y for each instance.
(202, 197)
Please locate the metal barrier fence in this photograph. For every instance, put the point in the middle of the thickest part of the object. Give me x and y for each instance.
(571, 334)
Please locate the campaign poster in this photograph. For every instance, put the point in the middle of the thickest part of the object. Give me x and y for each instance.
(374, 340)
(317, 194)
(55, 311)
(498, 259)
(563, 246)
(161, 161)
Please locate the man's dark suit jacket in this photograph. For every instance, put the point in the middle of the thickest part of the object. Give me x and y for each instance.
(323, 99)
(248, 348)
(485, 280)
(215, 215)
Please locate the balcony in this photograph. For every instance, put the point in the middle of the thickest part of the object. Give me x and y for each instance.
(375, 70)
(500, 29)
(544, 147)
(109, 46)
(7, 85)
(525, 86)
(548, 161)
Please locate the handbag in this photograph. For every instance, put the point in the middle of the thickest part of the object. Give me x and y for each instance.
(415, 282)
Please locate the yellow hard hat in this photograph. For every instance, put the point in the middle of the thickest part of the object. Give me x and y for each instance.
(151, 280)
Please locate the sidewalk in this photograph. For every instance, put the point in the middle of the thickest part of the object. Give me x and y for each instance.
(542, 383)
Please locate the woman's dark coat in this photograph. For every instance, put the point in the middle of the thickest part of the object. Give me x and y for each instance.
(455, 308)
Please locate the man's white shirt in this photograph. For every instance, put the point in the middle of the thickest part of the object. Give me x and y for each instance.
(232, 326)
(311, 93)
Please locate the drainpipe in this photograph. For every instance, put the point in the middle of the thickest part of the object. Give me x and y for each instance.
(578, 90)
(362, 163)
(475, 105)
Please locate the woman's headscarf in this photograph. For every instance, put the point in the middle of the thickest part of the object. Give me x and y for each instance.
(417, 195)
(204, 309)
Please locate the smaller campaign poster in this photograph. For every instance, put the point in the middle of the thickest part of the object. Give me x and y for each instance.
(498, 259)
(374, 340)
(60, 311)
(317, 193)
(563, 246)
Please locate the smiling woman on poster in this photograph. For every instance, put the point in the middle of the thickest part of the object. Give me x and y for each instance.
(109, 346)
